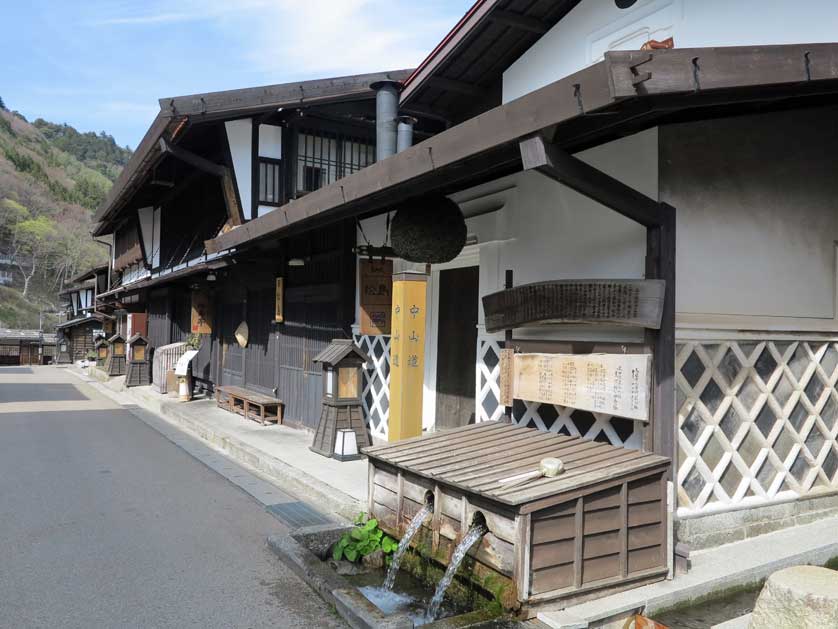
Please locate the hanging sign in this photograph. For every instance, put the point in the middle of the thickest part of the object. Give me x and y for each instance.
(201, 313)
(376, 296)
(617, 384)
(279, 312)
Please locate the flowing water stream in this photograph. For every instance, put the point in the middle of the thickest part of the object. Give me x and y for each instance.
(415, 523)
(474, 533)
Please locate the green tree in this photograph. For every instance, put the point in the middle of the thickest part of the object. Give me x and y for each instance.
(2, 104)
(32, 243)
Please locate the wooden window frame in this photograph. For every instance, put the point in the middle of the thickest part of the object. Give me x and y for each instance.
(279, 180)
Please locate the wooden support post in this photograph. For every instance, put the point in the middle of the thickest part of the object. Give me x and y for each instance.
(507, 340)
(660, 264)
(659, 219)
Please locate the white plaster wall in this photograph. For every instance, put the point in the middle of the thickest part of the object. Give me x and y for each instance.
(757, 217)
(270, 141)
(595, 26)
(547, 231)
(240, 139)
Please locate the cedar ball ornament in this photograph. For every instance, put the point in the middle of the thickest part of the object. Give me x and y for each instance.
(428, 229)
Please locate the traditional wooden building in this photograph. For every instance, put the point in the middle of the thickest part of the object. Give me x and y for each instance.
(214, 163)
(26, 347)
(583, 137)
(81, 323)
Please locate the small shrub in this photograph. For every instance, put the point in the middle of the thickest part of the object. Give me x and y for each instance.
(365, 539)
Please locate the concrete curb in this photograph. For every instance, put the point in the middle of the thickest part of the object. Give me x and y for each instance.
(288, 477)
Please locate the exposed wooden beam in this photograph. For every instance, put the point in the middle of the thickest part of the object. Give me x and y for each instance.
(547, 158)
(463, 154)
(521, 22)
(461, 87)
(228, 188)
(194, 160)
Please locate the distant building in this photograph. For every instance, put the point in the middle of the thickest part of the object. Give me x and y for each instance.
(80, 323)
(7, 270)
(26, 347)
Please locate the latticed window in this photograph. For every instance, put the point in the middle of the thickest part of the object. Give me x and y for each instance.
(270, 181)
(323, 158)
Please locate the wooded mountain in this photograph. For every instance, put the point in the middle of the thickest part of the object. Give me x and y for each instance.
(52, 177)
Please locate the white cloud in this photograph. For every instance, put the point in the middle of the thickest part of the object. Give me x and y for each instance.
(310, 38)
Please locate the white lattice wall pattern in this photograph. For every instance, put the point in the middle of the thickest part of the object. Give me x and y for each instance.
(546, 417)
(376, 395)
(757, 422)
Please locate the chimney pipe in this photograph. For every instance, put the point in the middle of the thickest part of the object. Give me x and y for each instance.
(404, 135)
(386, 114)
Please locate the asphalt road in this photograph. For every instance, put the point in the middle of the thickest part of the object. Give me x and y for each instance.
(105, 523)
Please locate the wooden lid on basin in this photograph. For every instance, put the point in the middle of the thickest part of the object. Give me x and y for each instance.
(479, 457)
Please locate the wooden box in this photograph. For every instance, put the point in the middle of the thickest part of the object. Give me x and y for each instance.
(597, 528)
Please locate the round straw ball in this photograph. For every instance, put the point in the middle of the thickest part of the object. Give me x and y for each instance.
(429, 229)
(550, 466)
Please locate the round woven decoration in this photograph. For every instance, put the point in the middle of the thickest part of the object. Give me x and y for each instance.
(428, 229)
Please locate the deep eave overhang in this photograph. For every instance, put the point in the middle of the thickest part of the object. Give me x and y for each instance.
(175, 112)
(628, 90)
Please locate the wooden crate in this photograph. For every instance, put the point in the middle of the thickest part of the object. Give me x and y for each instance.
(598, 527)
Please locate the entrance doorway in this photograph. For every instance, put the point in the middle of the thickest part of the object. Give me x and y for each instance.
(456, 346)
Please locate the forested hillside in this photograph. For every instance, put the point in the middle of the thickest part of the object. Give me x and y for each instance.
(52, 178)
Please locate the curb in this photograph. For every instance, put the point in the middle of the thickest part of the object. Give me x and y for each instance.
(288, 477)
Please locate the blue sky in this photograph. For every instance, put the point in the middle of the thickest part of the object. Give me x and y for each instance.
(102, 64)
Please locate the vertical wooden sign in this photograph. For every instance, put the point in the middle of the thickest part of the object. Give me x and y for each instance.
(376, 296)
(279, 308)
(407, 356)
(201, 313)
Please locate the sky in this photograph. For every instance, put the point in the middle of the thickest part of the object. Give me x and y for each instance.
(102, 65)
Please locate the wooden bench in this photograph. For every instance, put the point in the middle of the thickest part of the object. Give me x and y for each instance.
(242, 401)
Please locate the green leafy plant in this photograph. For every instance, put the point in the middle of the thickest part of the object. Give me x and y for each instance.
(193, 341)
(365, 539)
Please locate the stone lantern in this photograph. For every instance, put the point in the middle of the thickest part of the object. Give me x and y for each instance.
(341, 431)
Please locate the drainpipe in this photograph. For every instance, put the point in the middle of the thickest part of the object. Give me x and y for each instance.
(386, 116)
(404, 135)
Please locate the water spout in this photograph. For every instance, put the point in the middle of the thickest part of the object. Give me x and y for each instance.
(477, 530)
(415, 523)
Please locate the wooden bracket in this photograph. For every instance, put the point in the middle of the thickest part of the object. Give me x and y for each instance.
(548, 159)
(228, 187)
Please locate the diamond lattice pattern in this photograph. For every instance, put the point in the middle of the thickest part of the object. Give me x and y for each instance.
(757, 422)
(547, 417)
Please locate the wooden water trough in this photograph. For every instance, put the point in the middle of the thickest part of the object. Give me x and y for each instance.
(598, 527)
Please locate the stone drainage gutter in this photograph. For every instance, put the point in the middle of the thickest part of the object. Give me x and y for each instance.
(713, 572)
(303, 551)
(288, 477)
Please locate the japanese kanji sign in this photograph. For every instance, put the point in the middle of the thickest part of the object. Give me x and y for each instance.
(617, 384)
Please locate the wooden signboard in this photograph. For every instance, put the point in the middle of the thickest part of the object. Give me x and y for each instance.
(617, 302)
(279, 313)
(617, 384)
(407, 356)
(376, 296)
(201, 313)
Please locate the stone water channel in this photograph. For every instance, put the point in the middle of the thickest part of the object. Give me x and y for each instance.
(389, 601)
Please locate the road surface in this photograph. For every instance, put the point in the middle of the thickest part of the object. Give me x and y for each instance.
(106, 523)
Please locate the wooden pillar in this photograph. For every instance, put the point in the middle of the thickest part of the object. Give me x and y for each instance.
(407, 355)
(660, 264)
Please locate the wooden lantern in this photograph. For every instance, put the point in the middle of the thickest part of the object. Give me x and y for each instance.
(343, 364)
(138, 371)
(101, 348)
(115, 362)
